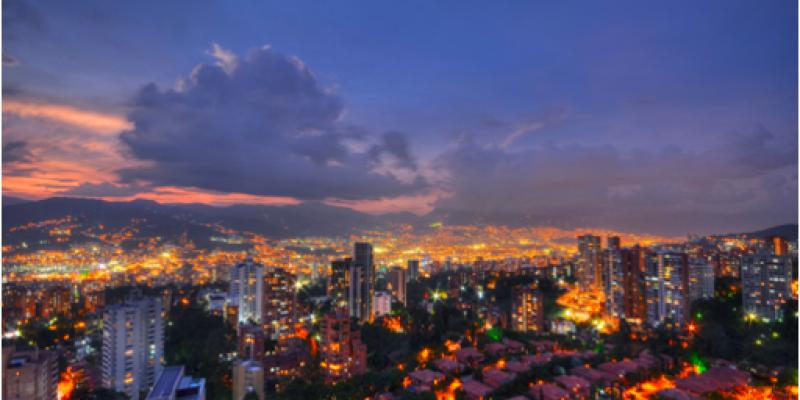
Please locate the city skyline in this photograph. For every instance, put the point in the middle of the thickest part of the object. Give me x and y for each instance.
(661, 119)
(418, 200)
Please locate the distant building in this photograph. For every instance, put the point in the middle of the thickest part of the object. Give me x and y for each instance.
(173, 384)
(413, 270)
(215, 302)
(396, 281)
(362, 283)
(780, 247)
(341, 352)
(382, 303)
(562, 326)
(701, 280)
(633, 285)
(251, 338)
(133, 345)
(248, 377)
(56, 301)
(278, 309)
(338, 287)
(527, 310)
(247, 290)
(613, 278)
(29, 374)
(588, 269)
(766, 285)
(667, 293)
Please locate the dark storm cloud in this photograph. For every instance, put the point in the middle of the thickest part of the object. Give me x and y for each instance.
(260, 125)
(394, 144)
(9, 61)
(16, 152)
(745, 180)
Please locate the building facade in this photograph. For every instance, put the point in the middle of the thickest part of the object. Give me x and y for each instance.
(667, 294)
(701, 280)
(527, 310)
(342, 353)
(278, 309)
(766, 285)
(248, 377)
(247, 290)
(133, 345)
(396, 281)
(382, 304)
(588, 271)
(29, 374)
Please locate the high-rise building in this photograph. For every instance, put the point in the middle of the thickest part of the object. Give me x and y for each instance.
(667, 293)
(613, 242)
(396, 282)
(174, 384)
(780, 247)
(701, 280)
(247, 290)
(613, 278)
(248, 377)
(527, 310)
(382, 304)
(413, 270)
(278, 310)
(338, 282)
(362, 283)
(633, 285)
(133, 345)
(342, 353)
(56, 301)
(589, 272)
(251, 340)
(29, 374)
(766, 285)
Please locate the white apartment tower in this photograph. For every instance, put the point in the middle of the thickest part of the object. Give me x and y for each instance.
(133, 345)
(247, 290)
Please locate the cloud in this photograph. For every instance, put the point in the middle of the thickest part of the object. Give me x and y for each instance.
(16, 152)
(745, 180)
(226, 60)
(9, 60)
(103, 189)
(21, 19)
(548, 117)
(170, 195)
(89, 120)
(261, 125)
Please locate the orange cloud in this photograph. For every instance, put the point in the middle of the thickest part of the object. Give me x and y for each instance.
(93, 121)
(177, 195)
(420, 204)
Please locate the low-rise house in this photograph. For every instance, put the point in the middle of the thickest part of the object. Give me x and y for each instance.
(495, 349)
(594, 376)
(715, 379)
(548, 391)
(448, 366)
(513, 346)
(537, 359)
(470, 356)
(475, 390)
(574, 384)
(423, 380)
(495, 377)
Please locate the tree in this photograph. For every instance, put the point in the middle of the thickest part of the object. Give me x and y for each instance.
(197, 339)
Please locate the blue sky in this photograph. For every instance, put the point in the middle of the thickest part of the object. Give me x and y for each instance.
(516, 77)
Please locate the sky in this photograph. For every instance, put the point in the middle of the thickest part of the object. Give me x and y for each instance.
(669, 117)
